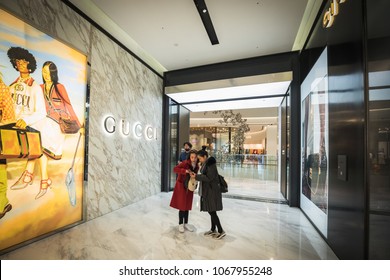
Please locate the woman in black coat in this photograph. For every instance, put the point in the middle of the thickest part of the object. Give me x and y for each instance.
(210, 192)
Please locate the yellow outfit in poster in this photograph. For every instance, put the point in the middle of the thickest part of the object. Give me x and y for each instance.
(7, 115)
(4, 202)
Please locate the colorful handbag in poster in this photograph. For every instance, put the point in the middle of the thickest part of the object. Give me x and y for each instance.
(19, 143)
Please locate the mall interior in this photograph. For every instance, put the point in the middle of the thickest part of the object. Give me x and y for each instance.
(292, 98)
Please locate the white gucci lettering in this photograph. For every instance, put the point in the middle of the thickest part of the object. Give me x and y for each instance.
(139, 131)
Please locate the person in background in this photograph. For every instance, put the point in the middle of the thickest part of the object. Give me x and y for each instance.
(184, 154)
(182, 197)
(210, 192)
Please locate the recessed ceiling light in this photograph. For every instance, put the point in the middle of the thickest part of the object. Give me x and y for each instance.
(235, 105)
(204, 11)
(257, 90)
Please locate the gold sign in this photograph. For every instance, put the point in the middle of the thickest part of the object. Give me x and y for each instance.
(331, 13)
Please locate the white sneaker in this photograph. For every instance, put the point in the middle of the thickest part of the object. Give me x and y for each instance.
(181, 228)
(189, 228)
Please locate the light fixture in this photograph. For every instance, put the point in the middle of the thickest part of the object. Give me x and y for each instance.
(236, 92)
(205, 17)
(269, 102)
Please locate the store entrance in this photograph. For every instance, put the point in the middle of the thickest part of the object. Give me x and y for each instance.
(245, 145)
(243, 122)
(248, 136)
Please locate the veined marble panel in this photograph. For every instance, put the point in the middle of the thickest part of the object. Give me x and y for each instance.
(122, 169)
(54, 18)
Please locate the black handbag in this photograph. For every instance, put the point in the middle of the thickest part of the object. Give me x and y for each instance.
(222, 184)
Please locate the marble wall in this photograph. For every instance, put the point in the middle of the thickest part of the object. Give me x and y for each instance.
(121, 170)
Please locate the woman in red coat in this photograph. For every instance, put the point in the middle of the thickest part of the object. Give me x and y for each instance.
(182, 197)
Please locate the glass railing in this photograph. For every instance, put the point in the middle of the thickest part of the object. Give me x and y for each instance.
(248, 166)
(246, 159)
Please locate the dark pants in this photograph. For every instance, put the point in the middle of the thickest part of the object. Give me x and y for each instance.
(183, 217)
(215, 223)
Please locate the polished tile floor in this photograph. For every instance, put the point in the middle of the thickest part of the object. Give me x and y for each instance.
(148, 230)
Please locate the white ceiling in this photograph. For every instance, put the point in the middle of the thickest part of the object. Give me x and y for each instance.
(169, 34)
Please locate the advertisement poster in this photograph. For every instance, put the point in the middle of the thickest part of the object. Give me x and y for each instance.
(315, 143)
(43, 87)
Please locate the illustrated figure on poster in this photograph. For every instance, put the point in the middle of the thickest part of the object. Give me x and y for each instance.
(7, 115)
(57, 104)
(29, 105)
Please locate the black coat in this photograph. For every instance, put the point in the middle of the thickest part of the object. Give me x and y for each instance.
(211, 196)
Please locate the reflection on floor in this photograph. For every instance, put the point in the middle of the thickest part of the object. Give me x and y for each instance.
(148, 230)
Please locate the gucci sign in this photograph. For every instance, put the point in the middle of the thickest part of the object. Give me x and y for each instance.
(125, 129)
(331, 13)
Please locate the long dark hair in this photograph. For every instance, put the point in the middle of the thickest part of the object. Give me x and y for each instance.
(202, 153)
(53, 72)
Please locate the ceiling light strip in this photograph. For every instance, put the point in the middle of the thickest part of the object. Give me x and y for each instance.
(233, 99)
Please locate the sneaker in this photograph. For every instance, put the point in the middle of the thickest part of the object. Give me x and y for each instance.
(210, 233)
(189, 228)
(181, 228)
(219, 235)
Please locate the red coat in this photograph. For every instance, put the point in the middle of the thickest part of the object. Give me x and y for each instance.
(182, 197)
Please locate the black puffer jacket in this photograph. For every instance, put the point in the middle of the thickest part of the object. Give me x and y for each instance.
(211, 197)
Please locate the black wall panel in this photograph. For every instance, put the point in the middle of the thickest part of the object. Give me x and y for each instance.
(344, 40)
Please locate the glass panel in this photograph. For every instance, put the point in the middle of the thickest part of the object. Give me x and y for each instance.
(253, 166)
(378, 54)
(173, 117)
(315, 144)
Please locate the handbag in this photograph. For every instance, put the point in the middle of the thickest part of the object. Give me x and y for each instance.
(68, 126)
(19, 143)
(222, 184)
(190, 183)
